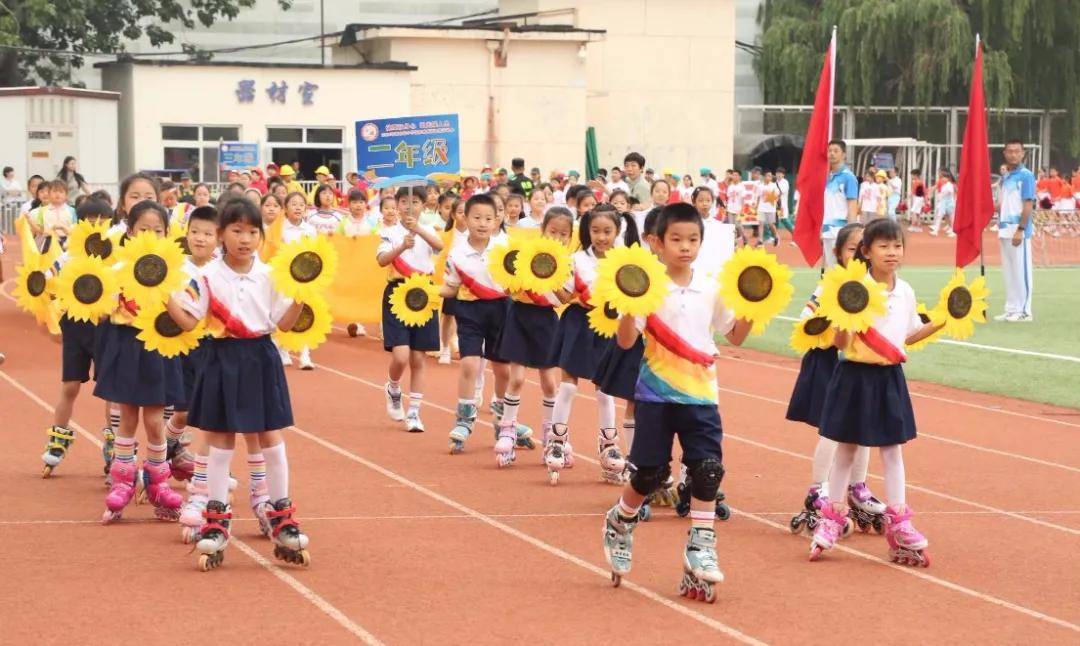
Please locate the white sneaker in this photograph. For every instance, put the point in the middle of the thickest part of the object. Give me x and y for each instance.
(393, 405)
(1020, 317)
(444, 357)
(952, 234)
(413, 423)
(1004, 316)
(305, 360)
(286, 360)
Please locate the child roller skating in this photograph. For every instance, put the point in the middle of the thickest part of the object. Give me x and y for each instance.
(558, 454)
(191, 515)
(122, 473)
(60, 439)
(809, 516)
(166, 502)
(522, 434)
(290, 545)
(682, 505)
(619, 542)
(213, 536)
(613, 465)
(700, 568)
(864, 509)
(906, 545)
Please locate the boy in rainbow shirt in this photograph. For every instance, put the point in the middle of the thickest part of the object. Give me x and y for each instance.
(676, 394)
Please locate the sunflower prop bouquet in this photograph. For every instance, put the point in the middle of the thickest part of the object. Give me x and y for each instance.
(304, 268)
(935, 316)
(502, 264)
(415, 300)
(755, 287)
(631, 281)
(87, 288)
(160, 333)
(33, 286)
(151, 269)
(543, 265)
(92, 239)
(310, 329)
(963, 305)
(178, 234)
(604, 320)
(812, 333)
(851, 298)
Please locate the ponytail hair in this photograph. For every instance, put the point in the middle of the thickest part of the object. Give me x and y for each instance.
(630, 230)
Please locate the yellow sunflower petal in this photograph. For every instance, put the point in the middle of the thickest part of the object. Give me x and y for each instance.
(631, 280)
(415, 300)
(604, 320)
(151, 269)
(304, 268)
(178, 233)
(501, 262)
(310, 329)
(963, 305)
(33, 286)
(851, 298)
(92, 239)
(927, 316)
(160, 333)
(87, 288)
(755, 286)
(543, 265)
(812, 332)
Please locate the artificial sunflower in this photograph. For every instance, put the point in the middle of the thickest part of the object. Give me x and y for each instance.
(33, 285)
(631, 280)
(311, 327)
(812, 332)
(963, 304)
(92, 239)
(160, 333)
(543, 264)
(151, 269)
(927, 316)
(178, 233)
(604, 320)
(415, 300)
(86, 288)
(304, 268)
(501, 264)
(755, 286)
(851, 298)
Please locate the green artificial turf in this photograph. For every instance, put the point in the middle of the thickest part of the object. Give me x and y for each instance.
(1055, 330)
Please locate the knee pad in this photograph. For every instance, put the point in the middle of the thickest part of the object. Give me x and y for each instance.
(705, 477)
(646, 480)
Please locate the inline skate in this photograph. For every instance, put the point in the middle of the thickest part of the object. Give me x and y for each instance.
(191, 514)
(59, 439)
(463, 427)
(864, 509)
(701, 571)
(213, 536)
(290, 545)
(906, 545)
(829, 528)
(524, 434)
(558, 454)
(121, 491)
(613, 468)
(618, 544)
(809, 516)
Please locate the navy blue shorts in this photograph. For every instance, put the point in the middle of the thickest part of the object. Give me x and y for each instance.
(423, 338)
(78, 349)
(698, 428)
(448, 305)
(527, 335)
(241, 388)
(479, 324)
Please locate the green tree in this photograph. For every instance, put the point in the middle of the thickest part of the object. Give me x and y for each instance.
(31, 27)
(919, 52)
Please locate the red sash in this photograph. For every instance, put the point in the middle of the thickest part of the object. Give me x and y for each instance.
(481, 291)
(882, 346)
(539, 299)
(582, 289)
(667, 337)
(234, 327)
(404, 268)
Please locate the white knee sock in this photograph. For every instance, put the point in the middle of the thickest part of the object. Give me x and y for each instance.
(605, 405)
(564, 402)
(892, 463)
(860, 465)
(277, 472)
(841, 472)
(217, 473)
(823, 460)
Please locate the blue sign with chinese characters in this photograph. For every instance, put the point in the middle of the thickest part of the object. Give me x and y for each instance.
(409, 145)
(237, 155)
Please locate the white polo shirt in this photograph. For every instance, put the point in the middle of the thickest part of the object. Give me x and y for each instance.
(292, 232)
(583, 279)
(467, 271)
(901, 320)
(325, 222)
(418, 260)
(247, 304)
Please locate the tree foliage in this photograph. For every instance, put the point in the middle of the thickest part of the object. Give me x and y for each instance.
(86, 26)
(919, 52)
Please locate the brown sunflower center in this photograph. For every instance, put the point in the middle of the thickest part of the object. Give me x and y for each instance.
(35, 283)
(87, 289)
(632, 280)
(755, 284)
(166, 326)
(508, 261)
(610, 312)
(543, 265)
(959, 302)
(853, 297)
(151, 270)
(96, 245)
(306, 267)
(816, 326)
(305, 321)
(416, 299)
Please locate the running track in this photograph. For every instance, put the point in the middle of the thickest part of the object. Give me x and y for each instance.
(411, 545)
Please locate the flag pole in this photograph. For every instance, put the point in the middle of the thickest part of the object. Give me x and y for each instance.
(832, 103)
(982, 247)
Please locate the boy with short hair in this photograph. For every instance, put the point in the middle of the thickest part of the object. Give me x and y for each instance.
(55, 218)
(676, 394)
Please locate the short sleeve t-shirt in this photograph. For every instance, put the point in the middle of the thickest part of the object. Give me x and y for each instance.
(1017, 187)
(840, 187)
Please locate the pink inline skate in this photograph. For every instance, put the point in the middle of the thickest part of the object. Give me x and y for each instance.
(830, 527)
(906, 545)
(166, 502)
(191, 516)
(122, 490)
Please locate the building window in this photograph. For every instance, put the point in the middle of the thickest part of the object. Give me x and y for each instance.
(287, 135)
(324, 135)
(194, 149)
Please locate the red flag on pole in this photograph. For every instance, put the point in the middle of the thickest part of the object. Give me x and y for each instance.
(814, 167)
(974, 198)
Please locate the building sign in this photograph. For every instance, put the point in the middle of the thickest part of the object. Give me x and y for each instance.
(236, 155)
(409, 145)
(884, 161)
(276, 92)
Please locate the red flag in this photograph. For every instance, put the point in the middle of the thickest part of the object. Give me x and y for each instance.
(974, 199)
(814, 167)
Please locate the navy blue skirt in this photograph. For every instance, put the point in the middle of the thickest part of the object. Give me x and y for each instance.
(810, 386)
(617, 370)
(577, 347)
(422, 338)
(127, 373)
(241, 389)
(868, 405)
(191, 364)
(528, 334)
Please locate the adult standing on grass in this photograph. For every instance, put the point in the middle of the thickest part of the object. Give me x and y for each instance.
(1015, 229)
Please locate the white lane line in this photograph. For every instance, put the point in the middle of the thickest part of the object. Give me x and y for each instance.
(535, 542)
(309, 594)
(907, 570)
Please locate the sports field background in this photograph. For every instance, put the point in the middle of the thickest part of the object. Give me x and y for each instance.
(1055, 330)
